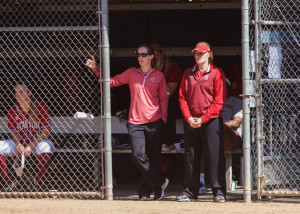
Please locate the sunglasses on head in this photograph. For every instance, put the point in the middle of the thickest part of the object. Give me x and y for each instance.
(142, 54)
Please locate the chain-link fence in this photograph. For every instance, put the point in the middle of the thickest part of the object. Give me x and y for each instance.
(275, 73)
(44, 45)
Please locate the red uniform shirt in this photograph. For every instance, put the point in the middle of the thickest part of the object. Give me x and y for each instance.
(202, 94)
(149, 100)
(173, 75)
(19, 121)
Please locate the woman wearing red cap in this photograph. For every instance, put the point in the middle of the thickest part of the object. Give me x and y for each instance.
(202, 95)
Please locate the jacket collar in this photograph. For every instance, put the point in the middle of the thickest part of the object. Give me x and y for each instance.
(207, 71)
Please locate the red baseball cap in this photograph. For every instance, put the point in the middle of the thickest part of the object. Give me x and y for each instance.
(201, 48)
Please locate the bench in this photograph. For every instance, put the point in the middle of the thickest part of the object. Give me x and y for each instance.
(64, 126)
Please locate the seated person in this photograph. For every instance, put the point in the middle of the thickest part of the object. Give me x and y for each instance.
(29, 122)
(232, 118)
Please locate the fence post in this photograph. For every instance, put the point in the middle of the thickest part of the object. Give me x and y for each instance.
(246, 111)
(107, 101)
(258, 76)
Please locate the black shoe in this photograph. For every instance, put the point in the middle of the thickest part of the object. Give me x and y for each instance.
(185, 198)
(219, 199)
(11, 186)
(160, 194)
(145, 198)
(33, 185)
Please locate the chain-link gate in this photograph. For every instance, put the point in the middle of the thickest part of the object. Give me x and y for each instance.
(275, 73)
(44, 45)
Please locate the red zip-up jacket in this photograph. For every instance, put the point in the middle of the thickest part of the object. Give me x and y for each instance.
(149, 99)
(202, 95)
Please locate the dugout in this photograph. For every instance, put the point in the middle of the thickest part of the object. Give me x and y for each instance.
(42, 42)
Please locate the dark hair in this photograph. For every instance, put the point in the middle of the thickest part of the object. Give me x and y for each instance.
(165, 64)
(150, 50)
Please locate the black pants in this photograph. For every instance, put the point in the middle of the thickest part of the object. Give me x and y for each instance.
(146, 141)
(210, 138)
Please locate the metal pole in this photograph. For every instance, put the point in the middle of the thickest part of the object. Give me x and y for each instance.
(107, 101)
(259, 134)
(67, 28)
(246, 109)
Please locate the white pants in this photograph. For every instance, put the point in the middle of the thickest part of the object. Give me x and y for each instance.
(9, 149)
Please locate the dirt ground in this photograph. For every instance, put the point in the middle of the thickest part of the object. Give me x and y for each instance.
(126, 201)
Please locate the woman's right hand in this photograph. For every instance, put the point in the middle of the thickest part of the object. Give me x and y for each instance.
(20, 149)
(91, 63)
(195, 122)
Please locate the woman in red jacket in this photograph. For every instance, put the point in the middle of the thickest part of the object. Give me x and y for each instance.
(202, 95)
(147, 115)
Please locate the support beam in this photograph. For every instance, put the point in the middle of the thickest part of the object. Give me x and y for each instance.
(116, 6)
(114, 52)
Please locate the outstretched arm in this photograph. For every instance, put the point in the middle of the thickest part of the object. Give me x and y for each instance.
(91, 63)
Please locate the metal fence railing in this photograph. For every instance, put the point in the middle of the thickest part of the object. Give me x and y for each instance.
(275, 71)
(44, 44)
